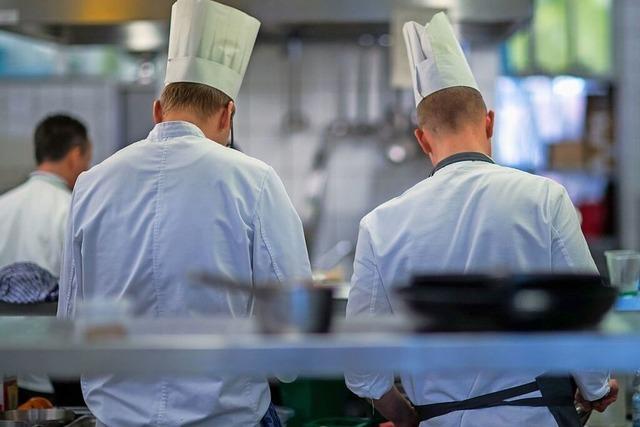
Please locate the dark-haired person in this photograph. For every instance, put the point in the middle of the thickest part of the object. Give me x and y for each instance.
(33, 216)
(470, 216)
(182, 201)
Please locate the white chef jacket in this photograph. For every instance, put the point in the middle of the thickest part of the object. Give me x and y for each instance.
(469, 217)
(139, 223)
(33, 217)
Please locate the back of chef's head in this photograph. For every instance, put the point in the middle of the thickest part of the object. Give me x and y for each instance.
(55, 136)
(451, 110)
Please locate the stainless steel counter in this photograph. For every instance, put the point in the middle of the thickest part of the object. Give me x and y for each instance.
(44, 345)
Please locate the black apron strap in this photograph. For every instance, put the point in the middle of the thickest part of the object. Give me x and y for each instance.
(557, 395)
(560, 391)
(498, 398)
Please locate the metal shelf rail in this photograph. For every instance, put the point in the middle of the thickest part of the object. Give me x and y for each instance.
(46, 345)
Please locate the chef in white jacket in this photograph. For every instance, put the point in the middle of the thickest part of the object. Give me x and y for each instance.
(471, 215)
(33, 216)
(182, 201)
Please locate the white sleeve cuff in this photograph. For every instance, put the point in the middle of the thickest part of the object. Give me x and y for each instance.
(592, 385)
(369, 386)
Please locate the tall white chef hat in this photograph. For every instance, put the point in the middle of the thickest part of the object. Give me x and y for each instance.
(210, 43)
(436, 58)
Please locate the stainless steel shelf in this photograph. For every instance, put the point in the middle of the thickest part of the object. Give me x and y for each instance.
(46, 346)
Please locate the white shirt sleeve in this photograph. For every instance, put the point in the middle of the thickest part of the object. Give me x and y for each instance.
(57, 238)
(367, 297)
(569, 249)
(570, 253)
(69, 283)
(279, 251)
(593, 385)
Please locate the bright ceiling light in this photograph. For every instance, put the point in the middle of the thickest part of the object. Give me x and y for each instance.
(143, 36)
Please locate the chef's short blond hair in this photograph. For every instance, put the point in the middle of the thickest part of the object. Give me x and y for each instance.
(451, 109)
(197, 98)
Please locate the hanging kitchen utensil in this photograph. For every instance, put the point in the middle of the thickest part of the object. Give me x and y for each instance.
(295, 120)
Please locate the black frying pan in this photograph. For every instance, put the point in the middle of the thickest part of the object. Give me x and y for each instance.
(522, 302)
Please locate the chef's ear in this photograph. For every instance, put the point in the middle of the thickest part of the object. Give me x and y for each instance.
(227, 115)
(157, 112)
(489, 121)
(423, 141)
(74, 155)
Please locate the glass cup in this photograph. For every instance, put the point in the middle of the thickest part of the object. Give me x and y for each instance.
(624, 271)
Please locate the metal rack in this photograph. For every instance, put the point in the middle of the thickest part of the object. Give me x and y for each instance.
(48, 346)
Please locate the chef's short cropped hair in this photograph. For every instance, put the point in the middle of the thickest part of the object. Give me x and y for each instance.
(200, 99)
(451, 109)
(56, 135)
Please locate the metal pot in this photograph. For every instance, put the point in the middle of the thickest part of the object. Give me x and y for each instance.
(294, 308)
(39, 417)
(4, 423)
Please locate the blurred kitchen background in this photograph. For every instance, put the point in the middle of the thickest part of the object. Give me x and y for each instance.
(327, 102)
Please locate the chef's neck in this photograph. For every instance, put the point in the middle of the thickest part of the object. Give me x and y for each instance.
(464, 141)
(59, 169)
(209, 125)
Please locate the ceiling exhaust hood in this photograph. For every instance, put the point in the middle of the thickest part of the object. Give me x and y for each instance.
(137, 25)
(142, 25)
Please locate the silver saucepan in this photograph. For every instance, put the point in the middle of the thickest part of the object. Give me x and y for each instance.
(281, 309)
(38, 417)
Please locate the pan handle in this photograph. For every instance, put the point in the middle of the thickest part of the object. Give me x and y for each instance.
(207, 279)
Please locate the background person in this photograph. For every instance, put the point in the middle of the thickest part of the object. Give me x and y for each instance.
(33, 216)
(470, 216)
